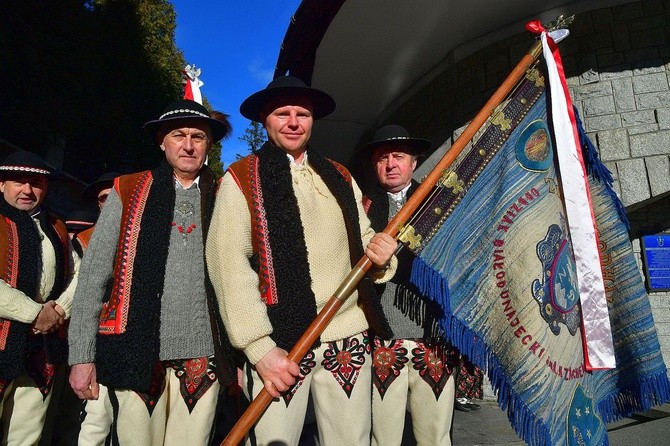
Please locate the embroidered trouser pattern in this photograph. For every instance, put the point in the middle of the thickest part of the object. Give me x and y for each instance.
(178, 410)
(411, 370)
(337, 375)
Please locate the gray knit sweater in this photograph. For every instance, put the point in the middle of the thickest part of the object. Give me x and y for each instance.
(185, 329)
(402, 326)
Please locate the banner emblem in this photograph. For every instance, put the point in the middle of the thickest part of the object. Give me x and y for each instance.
(583, 422)
(557, 294)
(533, 148)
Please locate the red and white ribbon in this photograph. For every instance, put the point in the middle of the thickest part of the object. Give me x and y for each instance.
(597, 333)
(193, 83)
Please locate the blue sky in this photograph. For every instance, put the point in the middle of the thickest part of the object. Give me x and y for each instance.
(236, 44)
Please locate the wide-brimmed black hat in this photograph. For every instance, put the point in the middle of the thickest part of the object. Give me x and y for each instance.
(186, 109)
(104, 181)
(254, 105)
(80, 219)
(24, 162)
(391, 135)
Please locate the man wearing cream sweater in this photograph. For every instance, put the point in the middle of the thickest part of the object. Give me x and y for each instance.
(287, 227)
(35, 297)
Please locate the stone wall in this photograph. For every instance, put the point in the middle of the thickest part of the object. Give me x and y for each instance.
(650, 220)
(617, 61)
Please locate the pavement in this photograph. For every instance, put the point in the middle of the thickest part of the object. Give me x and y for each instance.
(489, 426)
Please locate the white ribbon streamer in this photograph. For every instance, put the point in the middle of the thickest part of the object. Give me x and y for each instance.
(581, 223)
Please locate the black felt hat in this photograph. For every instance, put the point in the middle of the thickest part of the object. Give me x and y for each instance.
(391, 135)
(80, 219)
(254, 105)
(104, 181)
(24, 162)
(184, 109)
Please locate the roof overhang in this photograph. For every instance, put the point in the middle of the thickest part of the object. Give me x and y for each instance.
(371, 55)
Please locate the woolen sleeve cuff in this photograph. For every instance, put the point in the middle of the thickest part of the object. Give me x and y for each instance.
(257, 349)
(81, 352)
(384, 275)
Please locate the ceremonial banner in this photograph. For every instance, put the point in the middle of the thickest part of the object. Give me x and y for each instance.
(494, 250)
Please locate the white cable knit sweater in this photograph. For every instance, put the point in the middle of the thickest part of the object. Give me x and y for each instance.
(236, 283)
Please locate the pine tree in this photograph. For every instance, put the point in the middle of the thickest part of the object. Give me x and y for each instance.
(254, 136)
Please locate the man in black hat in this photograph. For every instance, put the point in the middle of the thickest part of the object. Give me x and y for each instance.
(35, 297)
(81, 222)
(99, 190)
(415, 364)
(145, 323)
(299, 229)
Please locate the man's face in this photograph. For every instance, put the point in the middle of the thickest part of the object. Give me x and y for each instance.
(288, 122)
(26, 191)
(102, 196)
(394, 166)
(186, 147)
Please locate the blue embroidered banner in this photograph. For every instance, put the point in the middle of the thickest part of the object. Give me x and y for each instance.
(501, 266)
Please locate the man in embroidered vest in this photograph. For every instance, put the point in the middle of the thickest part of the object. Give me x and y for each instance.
(145, 321)
(299, 228)
(415, 363)
(36, 288)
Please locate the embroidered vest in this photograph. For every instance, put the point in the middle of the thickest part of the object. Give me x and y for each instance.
(14, 335)
(128, 332)
(84, 237)
(245, 172)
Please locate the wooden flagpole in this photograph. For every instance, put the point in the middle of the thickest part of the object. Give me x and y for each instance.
(347, 287)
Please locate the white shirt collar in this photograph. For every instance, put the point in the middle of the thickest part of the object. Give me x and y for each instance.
(196, 181)
(304, 159)
(400, 195)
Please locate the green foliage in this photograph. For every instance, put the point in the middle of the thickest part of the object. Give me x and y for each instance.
(214, 160)
(86, 75)
(254, 136)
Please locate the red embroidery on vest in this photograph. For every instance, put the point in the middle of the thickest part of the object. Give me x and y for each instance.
(12, 271)
(366, 203)
(266, 273)
(342, 170)
(114, 314)
(10, 274)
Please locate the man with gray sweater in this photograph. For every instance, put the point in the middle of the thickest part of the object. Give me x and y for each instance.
(145, 322)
